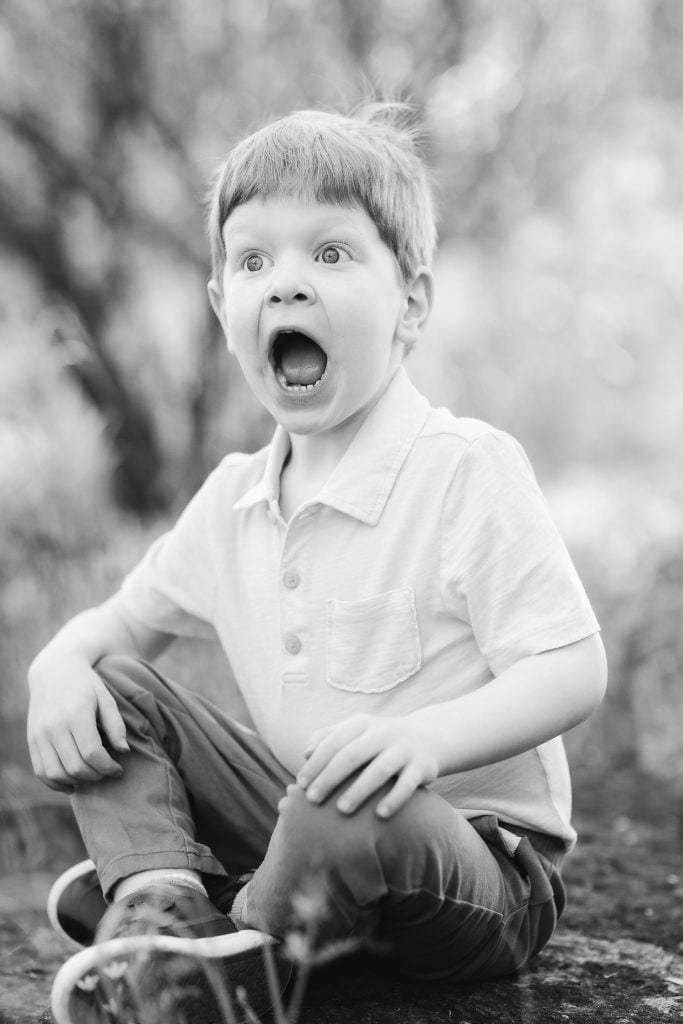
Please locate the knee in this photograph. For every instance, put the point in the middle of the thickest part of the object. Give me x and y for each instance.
(320, 833)
(323, 835)
(317, 849)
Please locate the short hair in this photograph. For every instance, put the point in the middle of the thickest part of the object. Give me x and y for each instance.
(370, 158)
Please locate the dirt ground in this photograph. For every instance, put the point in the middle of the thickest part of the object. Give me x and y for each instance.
(617, 956)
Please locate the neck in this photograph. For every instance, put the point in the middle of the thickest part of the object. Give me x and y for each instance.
(314, 457)
(312, 460)
(318, 456)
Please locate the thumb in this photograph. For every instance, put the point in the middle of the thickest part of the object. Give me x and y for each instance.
(111, 722)
(315, 738)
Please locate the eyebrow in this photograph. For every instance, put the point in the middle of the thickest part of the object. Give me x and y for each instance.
(337, 221)
(232, 238)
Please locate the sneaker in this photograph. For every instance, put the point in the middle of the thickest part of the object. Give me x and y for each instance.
(75, 904)
(166, 954)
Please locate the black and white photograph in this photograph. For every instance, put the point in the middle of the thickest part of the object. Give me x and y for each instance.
(341, 512)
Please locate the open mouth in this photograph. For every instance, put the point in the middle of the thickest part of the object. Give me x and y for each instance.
(298, 361)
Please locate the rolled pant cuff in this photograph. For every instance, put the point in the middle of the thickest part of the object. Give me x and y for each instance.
(131, 864)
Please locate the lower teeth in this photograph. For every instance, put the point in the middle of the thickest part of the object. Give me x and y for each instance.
(300, 388)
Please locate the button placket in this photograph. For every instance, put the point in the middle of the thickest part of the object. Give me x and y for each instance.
(293, 616)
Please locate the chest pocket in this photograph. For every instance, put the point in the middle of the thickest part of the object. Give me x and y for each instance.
(373, 644)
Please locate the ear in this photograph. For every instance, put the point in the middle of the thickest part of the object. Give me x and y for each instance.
(419, 295)
(218, 306)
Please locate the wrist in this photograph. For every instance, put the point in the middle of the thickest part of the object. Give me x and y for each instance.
(439, 730)
(426, 732)
(53, 659)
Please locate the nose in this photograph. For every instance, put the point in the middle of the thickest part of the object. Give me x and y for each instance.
(289, 285)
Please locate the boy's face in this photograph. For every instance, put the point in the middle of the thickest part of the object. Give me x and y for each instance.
(314, 308)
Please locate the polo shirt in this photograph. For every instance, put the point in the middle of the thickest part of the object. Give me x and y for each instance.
(426, 565)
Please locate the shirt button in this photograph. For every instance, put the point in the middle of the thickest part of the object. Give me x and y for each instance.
(292, 643)
(291, 579)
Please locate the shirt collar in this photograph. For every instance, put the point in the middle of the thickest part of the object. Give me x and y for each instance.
(361, 483)
(268, 487)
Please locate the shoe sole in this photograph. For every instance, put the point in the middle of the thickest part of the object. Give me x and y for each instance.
(58, 889)
(159, 979)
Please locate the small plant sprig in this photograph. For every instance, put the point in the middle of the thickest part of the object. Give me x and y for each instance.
(123, 991)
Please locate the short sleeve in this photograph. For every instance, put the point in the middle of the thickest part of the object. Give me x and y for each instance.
(172, 588)
(505, 568)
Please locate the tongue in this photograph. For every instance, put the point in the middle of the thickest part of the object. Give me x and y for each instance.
(302, 361)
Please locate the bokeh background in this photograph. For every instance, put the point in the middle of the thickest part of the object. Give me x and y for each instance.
(554, 130)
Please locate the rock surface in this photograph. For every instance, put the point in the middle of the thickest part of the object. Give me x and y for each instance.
(616, 958)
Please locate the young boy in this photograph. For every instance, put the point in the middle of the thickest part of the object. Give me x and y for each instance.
(400, 614)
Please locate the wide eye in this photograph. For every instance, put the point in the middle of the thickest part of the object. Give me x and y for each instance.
(253, 263)
(333, 254)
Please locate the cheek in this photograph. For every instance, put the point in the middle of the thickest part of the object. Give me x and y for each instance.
(369, 331)
(240, 324)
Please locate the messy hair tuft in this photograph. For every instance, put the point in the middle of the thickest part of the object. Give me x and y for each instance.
(370, 158)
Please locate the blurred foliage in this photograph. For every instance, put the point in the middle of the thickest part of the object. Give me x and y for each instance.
(553, 130)
(116, 114)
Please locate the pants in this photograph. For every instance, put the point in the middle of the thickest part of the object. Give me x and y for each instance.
(448, 898)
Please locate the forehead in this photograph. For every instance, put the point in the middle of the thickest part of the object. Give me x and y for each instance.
(295, 213)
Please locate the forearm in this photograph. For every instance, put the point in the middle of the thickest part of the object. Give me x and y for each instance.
(97, 632)
(536, 699)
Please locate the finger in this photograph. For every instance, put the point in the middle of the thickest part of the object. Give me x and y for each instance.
(92, 751)
(110, 720)
(407, 783)
(58, 787)
(343, 763)
(54, 775)
(321, 747)
(382, 768)
(76, 766)
(339, 733)
(317, 737)
(41, 774)
(330, 744)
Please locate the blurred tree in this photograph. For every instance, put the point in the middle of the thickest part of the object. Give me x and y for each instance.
(112, 111)
(554, 131)
(68, 205)
(116, 111)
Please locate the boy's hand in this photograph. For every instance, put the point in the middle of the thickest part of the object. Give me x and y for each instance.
(69, 707)
(386, 748)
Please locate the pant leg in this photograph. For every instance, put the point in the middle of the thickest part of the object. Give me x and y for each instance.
(442, 895)
(198, 791)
